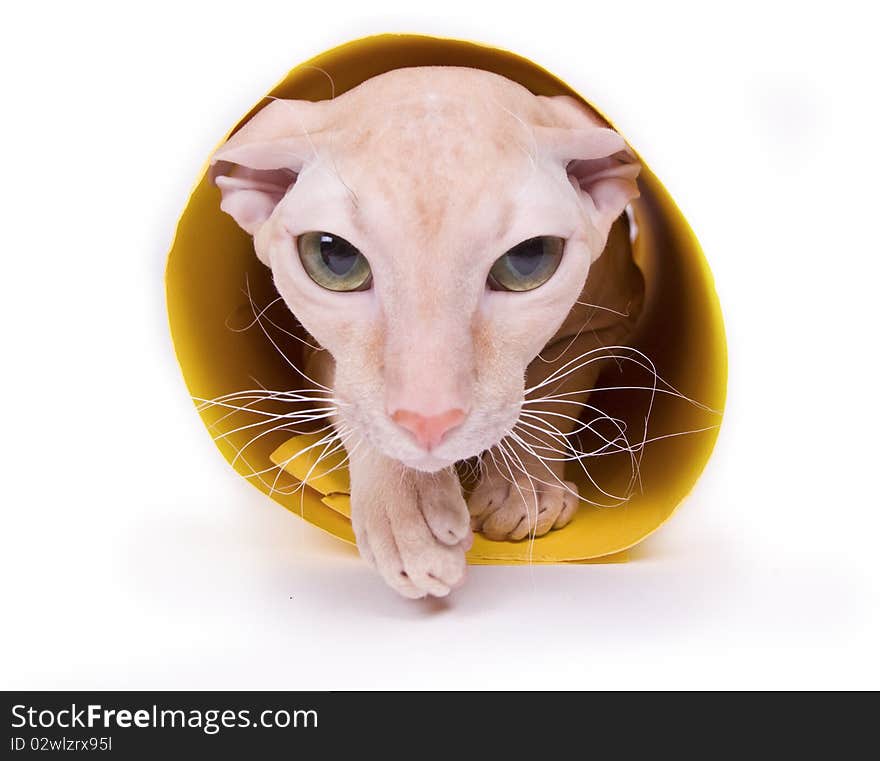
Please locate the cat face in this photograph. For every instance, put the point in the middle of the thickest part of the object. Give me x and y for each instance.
(431, 228)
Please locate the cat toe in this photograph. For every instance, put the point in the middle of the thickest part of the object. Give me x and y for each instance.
(570, 503)
(446, 514)
(378, 547)
(525, 512)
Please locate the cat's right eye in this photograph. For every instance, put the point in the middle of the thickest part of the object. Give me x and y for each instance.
(333, 263)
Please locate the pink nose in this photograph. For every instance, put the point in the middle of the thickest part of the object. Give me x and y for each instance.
(428, 430)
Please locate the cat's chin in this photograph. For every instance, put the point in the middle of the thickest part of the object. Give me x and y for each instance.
(427, 463)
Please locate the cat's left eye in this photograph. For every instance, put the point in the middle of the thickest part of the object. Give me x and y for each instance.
(333, 263)
(527, 265)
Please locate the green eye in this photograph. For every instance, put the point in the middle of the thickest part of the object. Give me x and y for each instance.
(527, 265)
(333, 263)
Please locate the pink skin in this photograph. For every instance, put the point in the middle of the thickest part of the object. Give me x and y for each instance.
(433, 174)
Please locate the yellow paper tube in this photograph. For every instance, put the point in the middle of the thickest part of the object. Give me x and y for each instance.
(213, 276)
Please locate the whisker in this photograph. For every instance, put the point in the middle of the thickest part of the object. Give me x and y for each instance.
(264, 390)
(254, 411)
(292, 365)
(579, 461)
(532, 529)
(333, 438)
(568, 445)
(560, 397)
(575, 364)
(273, 467)
(267, 422)
(257, 316)
(559, 435)
(258, 437)
(647, 365)
(528, 450)
(603, 308)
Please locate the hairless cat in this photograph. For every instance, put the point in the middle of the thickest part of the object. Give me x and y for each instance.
(457, 247)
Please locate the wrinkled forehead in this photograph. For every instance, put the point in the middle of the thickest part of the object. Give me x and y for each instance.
(436, 160)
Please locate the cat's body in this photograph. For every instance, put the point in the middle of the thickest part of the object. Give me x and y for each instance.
(421, 180)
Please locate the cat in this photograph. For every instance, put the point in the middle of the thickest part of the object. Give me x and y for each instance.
(436, 229)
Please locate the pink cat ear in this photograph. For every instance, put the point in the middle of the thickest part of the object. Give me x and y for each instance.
(608, 183)
(256, 167)
(597, 159)
(250, 196)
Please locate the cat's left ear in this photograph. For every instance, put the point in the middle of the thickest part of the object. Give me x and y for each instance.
(256, 167)
(597, 159)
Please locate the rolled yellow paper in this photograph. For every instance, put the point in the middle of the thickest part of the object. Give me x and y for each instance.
(213, 277)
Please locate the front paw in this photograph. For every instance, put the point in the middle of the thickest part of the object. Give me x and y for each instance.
(514, 505)
(414, 532)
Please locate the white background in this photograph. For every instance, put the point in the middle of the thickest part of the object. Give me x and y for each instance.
(132, 557)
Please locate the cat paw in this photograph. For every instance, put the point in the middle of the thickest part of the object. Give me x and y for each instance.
(503, 508)
(416, 536)
(443, 507)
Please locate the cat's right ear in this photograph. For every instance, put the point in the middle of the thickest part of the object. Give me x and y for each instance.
(256, 167)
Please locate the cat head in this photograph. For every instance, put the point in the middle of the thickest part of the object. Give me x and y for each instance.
(431, 228)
